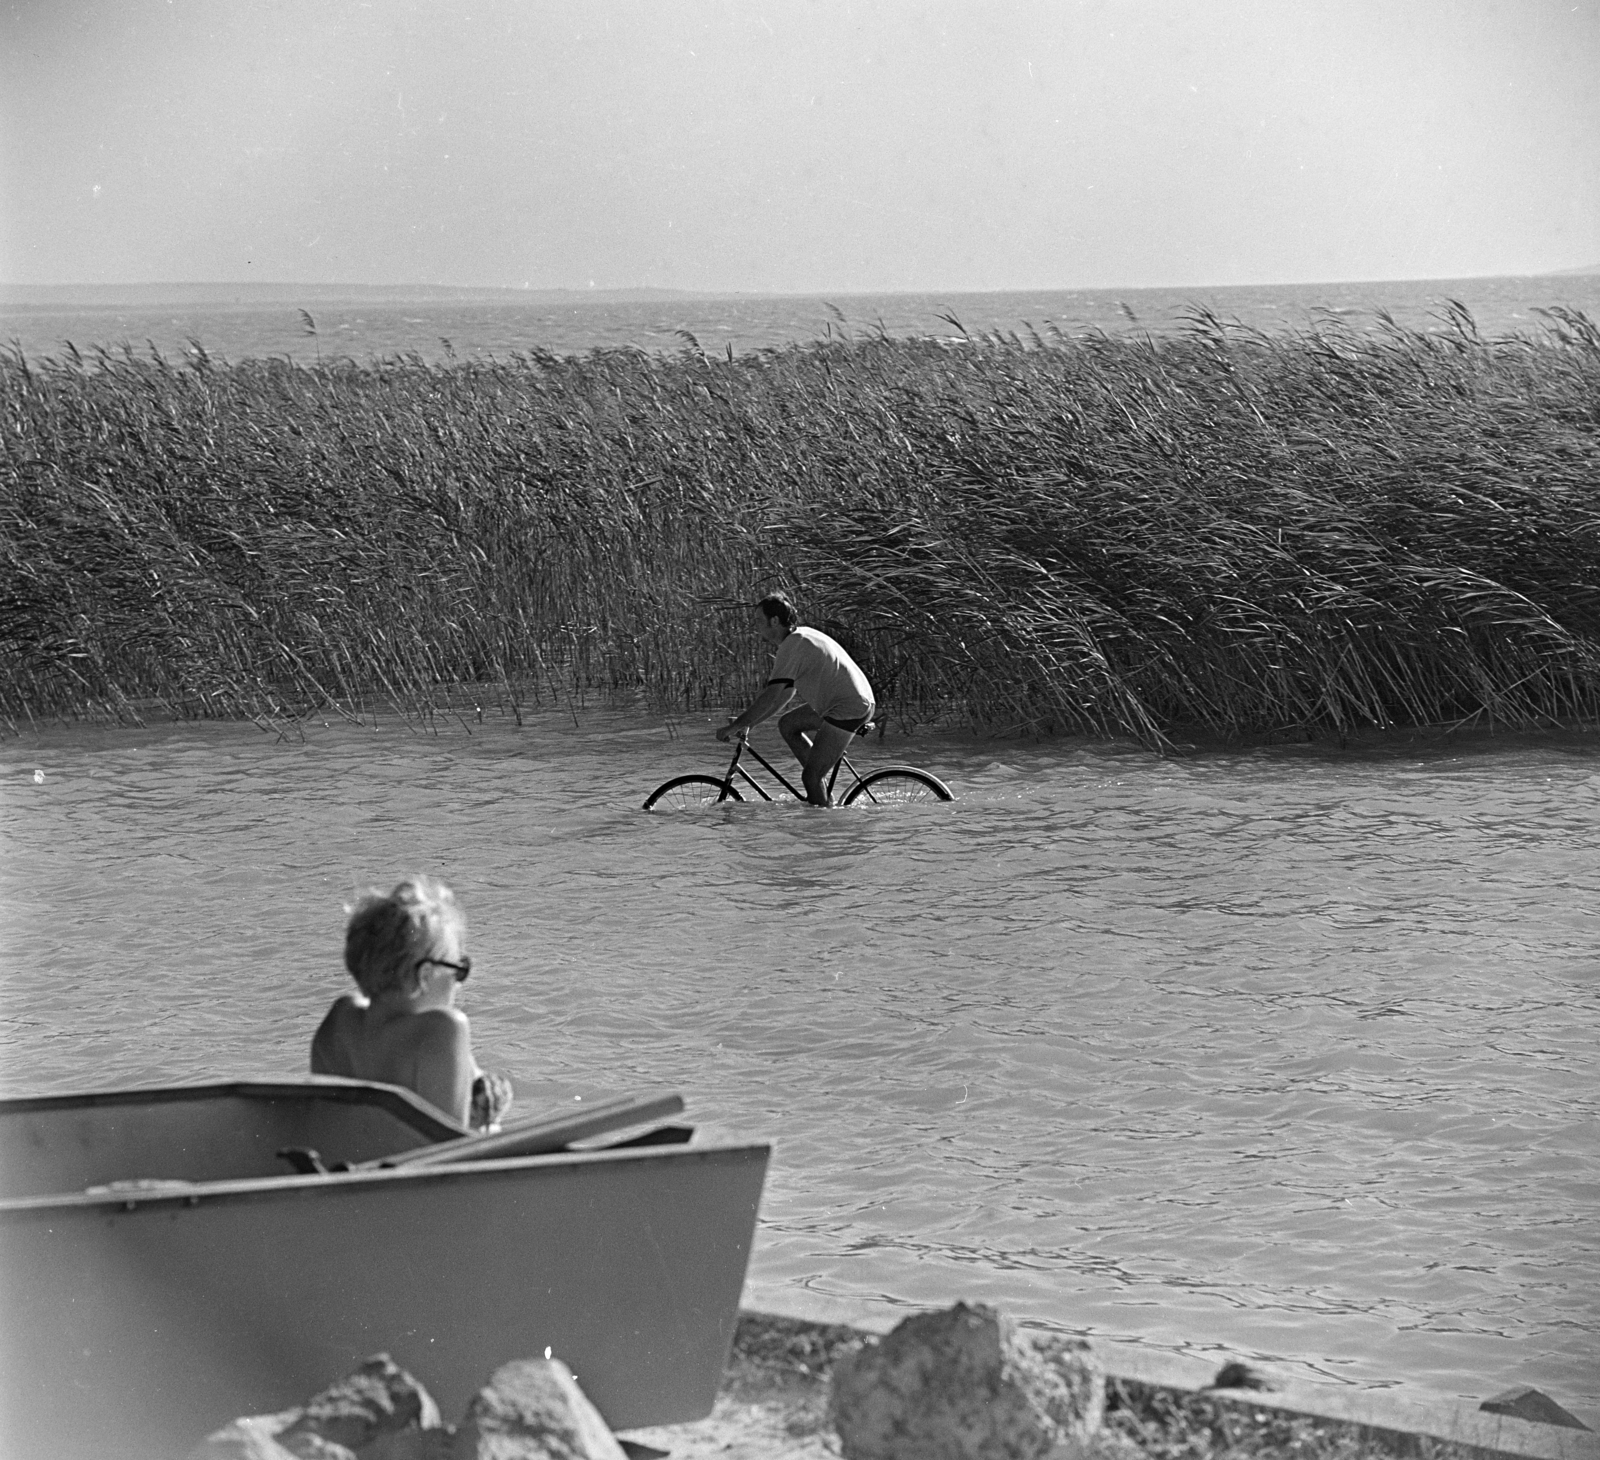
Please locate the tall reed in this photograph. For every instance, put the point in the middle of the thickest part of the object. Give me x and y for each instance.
(1220, 532)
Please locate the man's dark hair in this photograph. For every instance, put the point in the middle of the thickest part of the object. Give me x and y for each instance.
(777, 605)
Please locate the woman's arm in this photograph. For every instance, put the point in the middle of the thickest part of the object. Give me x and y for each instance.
(442, 1060)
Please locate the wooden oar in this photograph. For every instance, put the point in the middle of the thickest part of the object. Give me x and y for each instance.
(534, 1137)
(539, 1135)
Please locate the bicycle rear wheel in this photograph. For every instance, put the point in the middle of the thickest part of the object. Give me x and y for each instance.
(689, 793)
(898, 786)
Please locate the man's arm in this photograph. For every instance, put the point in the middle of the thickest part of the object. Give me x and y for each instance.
(772, 698)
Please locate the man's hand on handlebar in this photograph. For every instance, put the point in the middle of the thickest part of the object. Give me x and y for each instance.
(731, 729)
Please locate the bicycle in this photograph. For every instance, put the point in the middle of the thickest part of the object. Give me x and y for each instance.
(892, 785)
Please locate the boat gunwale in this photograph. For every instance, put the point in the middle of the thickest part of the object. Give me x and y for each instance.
(191, 1194)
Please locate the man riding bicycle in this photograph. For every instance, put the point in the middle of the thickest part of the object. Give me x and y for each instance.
(835, 698)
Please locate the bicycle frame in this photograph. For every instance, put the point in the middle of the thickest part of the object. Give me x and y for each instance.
(742, 744)
(878, 784)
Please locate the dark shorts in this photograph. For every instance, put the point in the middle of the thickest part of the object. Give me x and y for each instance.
(853, 726)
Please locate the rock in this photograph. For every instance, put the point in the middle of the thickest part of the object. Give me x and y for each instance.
(377, 1401)
(1074, 1364)
(377, 1413)
(313, 1446)
(251, 1437)
(532, 1409)
(1532, 1404)
(1236, 1374)
(965, 1384)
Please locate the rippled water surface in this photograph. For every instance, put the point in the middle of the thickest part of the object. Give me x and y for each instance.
(1290, 1052)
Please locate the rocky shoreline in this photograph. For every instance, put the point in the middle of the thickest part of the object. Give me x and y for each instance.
(774, 1406)
(954, 1384)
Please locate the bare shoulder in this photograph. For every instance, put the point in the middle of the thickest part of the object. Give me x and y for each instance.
(345, 1017)
(341, 1010)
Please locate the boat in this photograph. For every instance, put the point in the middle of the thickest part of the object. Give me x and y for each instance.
(174, 1257)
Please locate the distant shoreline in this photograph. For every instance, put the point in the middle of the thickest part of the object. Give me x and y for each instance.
(100, 296)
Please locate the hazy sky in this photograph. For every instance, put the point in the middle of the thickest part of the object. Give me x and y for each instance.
(797, 145)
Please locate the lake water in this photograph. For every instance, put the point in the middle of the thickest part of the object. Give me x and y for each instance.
(466, 326)
(1290, 1052)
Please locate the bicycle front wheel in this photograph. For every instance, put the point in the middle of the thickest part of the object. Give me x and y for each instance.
(689, 793)
(899, 785)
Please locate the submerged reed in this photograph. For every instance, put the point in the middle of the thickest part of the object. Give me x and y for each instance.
(1219, 533)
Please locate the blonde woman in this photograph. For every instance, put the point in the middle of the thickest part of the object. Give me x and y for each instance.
(405, 951)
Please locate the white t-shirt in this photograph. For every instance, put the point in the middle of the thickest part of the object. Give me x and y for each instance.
(823, 675)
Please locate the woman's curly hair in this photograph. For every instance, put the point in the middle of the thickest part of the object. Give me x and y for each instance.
(389, 933)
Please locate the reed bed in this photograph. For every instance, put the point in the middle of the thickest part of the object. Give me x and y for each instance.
(1217, 533)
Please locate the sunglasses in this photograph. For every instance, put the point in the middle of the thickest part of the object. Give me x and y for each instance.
(462, 969)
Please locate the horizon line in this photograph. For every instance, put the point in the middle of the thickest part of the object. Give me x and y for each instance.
(287, 285)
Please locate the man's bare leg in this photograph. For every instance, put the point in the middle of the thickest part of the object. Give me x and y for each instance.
(827, 746)
(797, 728)
(817, 745)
